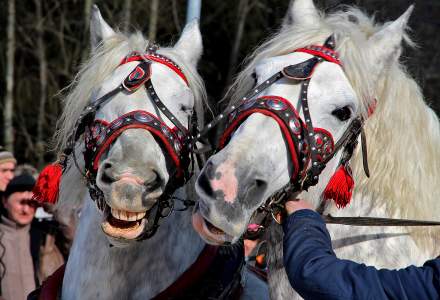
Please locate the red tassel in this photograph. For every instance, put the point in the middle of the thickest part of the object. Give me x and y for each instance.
(340, 187)
(48, 183)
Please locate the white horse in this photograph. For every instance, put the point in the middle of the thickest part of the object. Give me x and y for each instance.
(132, 173)
(403, 141)
(403, 137)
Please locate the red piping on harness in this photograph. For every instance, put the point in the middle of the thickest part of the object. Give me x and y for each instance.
(169, 64)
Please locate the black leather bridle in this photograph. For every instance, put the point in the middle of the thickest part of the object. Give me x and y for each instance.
(99, 135)
(310, 148)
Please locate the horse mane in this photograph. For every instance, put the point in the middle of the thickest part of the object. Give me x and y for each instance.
(404, 149)
(403, 138)
(75, 97)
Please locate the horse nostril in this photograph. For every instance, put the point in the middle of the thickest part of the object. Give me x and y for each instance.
(106, 174)
(107, 165)
(154, 182)
(260, 183)
(204, 184)
(209, 170)
(106, 178)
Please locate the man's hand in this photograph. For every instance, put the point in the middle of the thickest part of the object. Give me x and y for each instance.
(296, 204)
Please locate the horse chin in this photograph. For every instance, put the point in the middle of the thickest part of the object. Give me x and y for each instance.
(123, 227)
(208, 232)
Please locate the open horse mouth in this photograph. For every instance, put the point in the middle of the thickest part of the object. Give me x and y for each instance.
(209, 232)
(123, 224)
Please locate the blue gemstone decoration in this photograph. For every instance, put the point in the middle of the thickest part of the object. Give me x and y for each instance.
(295, 125)
(143, 117)
(177, 146)
(232, 115)
(96, 130)
(276, 104)
(100, 139)
(164, 130)
(117, 123)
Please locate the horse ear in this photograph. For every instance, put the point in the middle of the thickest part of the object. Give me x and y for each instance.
(189, 45)
(302, 13)
(386, 44)
(99, 29)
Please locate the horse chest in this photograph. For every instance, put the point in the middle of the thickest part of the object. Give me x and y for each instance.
(140, 271)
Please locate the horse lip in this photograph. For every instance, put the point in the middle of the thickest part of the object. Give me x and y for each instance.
(201, 227)
(129, 233)
(124, 233)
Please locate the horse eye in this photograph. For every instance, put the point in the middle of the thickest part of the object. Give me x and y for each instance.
(343, 113)
(185, 108)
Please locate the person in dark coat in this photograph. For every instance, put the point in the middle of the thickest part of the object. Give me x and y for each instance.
(316, 273)
(28, 253)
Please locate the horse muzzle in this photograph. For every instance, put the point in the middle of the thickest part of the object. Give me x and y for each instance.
(208, 231)
(127, 209)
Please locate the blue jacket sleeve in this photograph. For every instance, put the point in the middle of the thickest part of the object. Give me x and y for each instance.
(315, 272)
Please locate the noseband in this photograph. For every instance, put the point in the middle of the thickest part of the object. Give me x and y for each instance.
(100, 134)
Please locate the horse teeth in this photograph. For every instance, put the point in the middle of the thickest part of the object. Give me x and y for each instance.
(126, 215)
(131, 216)
(115, 213)
(139, 216)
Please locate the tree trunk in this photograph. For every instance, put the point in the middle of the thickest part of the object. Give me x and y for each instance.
(127, 15)
(152, 28)
(176, 16)
(9, 97)
(87, 9)
(193, 10)
(41, 50)
(243, 9)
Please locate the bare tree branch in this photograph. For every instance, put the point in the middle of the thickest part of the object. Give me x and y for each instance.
(41, 50)
(152, 29)
(176, 16)
(127, 15)
(9, 98)
(242, 12)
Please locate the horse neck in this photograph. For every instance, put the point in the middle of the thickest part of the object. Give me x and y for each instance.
(141, 270)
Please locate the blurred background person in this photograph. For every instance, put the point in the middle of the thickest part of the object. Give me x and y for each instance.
(28, 253)
(7, 166)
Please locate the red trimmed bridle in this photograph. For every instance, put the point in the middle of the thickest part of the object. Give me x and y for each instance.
(100, 134)
(310, 148)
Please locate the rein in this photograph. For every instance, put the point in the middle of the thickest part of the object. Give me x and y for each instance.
(371, 221)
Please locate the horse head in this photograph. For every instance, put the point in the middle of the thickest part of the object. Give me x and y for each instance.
(264, 149)
(136, 141)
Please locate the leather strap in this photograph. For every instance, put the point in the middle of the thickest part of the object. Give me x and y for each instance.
(371, 221)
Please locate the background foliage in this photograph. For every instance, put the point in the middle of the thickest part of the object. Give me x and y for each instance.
(63, 29)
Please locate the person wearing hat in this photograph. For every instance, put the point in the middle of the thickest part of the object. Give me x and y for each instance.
(25, 246)
(7, 166)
